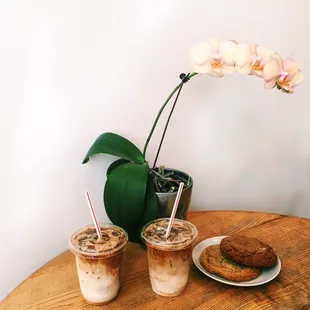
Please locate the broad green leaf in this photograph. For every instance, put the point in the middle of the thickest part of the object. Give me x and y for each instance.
(113, 144)
(134, 234)
(115, 164)
(124, 194)
(151, 211)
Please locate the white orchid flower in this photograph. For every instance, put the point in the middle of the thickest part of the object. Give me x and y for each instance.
(251, 59)
(285, 74)
(213, 57)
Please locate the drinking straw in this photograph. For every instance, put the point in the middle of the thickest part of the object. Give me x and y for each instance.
(93, 215)
(174, 210)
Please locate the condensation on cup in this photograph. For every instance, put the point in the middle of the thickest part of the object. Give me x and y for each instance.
(98, 262)
(169, 258)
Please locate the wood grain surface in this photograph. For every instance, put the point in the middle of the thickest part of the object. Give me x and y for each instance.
(55, 285)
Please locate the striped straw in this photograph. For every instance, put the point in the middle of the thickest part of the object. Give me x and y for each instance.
(93, 215)
(174, 210)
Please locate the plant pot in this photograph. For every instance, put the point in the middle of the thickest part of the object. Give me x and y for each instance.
(166, 200)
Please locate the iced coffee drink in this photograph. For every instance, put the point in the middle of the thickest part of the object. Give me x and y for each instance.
(169, 258)
(98, 261)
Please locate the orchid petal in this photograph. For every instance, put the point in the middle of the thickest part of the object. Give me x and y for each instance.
(270, 84)
(203, 69)
(253, 48)
(258, 73)
(218, 70)
(290, 66)
(271, 69)
(243, 54)
(287, 89)
(216, 74)
(297, 78)
(278, 58)
(228, 69)
(264, 53)
(215, 45)
(201, 53)
(227, 52)
(244, 70)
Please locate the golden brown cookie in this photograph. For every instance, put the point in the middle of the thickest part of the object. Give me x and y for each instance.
(214, 261)
(248, 251)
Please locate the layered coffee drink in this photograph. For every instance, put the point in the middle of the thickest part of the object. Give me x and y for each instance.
(169, 258)
(98, 261)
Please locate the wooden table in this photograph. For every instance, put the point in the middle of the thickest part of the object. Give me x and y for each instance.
(55, 285)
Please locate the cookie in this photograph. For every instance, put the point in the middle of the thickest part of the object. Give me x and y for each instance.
(215, 262)
(248, 251)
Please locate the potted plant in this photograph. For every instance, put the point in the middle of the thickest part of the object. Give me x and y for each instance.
(135, 192)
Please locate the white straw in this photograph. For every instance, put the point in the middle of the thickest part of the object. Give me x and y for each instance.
(93, 215)
(174, 210)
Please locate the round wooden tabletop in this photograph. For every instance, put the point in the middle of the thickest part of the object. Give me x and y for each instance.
(55, 285)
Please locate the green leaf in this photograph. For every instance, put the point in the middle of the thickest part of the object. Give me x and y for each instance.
(115, 164)
(124, 194)
(113, 144)
(151, 211)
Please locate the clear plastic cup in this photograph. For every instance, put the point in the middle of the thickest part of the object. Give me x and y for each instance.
(169, 259)
(98, 263)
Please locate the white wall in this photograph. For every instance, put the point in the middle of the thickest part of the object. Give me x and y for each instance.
(70, 70)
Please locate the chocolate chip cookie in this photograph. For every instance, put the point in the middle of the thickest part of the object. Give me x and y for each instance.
(248, 251)
(215, 262)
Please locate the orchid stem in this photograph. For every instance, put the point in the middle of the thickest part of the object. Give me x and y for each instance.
(160, 112)
(166, 126)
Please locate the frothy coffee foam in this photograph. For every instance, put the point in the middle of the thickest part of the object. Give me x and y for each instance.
(181, 233)
(86, 240)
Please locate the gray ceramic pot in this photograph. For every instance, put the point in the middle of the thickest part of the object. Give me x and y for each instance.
(166, 200)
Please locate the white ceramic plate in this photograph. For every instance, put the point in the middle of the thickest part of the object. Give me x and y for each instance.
(267, 274)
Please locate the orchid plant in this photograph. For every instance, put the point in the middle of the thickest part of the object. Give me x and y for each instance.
(130, 193)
